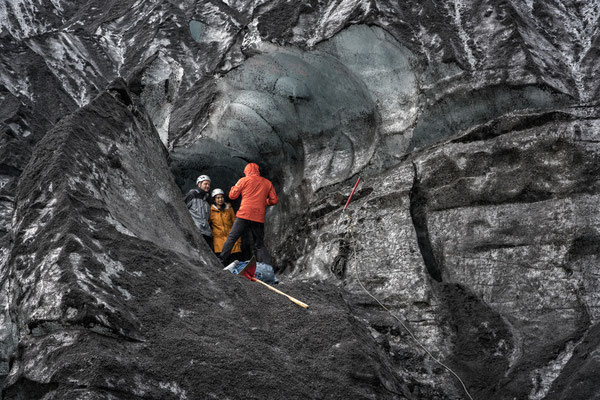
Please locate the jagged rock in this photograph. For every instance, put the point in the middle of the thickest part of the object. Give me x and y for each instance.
(486, 245)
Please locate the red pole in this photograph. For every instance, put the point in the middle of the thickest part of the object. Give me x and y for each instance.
(348, 202)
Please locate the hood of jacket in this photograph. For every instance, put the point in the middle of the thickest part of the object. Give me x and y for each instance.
(204, 195)
(251, 170)
(225, 206)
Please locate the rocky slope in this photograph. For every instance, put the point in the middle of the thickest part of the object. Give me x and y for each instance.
(473, 124)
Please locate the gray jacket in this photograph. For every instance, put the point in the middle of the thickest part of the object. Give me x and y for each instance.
(196, 201)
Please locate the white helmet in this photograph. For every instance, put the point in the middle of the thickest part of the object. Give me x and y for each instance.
(216, 192)
(202, 178)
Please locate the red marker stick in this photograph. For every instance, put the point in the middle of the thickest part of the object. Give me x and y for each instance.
(349, 198)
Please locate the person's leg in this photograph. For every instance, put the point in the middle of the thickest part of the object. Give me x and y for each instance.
(258, 235)
(238, 228)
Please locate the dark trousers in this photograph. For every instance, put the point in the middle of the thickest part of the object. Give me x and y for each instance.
(209, 241)
(232, 257)
(257, 229)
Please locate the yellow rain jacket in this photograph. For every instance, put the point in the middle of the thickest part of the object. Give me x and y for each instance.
(221, 222)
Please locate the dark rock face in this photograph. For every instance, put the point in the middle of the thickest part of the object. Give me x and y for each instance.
(474, 126)
(486, 245)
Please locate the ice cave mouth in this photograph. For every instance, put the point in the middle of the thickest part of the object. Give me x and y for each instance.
(313, 118)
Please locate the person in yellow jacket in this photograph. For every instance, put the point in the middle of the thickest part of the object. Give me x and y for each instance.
(221, 221)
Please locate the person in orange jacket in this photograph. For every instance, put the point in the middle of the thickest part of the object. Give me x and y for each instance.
(257, 193)
(221, 221)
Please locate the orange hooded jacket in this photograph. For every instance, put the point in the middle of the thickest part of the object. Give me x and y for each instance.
(257, 193)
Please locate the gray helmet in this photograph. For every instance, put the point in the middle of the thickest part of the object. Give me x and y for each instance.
(216, 192)
(202, 178)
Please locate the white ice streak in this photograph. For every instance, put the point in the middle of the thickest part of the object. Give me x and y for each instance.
(174, 388)
(18, 130)
(23, 11)
(194, 69)
(245, 6)
(87, 279)
(582, 28)
(17, 85)
(154, 46)
(252, 39)
(45, 288)
(111, 39)
(163, 69)
(68, 59)
(57, 4)
(335, 17)
(119, 226)
(164, 195)
(542, 378)
(456, 14)
(21, 18)
(138, 3)
(529, 4)
(35, 226)
(184, 313)
(37, 368)
(112, 269)
(218, 35)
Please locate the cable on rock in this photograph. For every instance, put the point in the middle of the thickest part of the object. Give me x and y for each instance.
(353, 256)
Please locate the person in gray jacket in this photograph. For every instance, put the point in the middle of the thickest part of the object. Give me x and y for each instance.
(196, 201)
